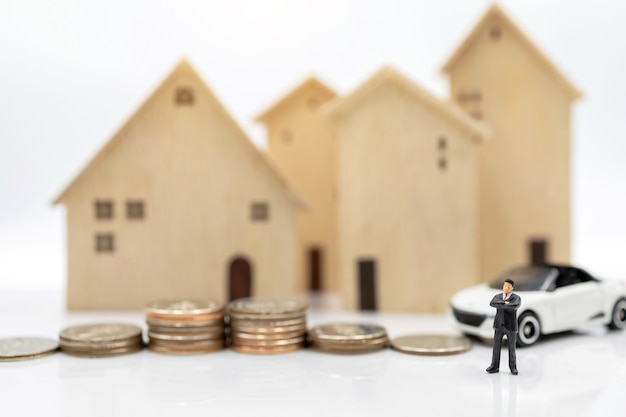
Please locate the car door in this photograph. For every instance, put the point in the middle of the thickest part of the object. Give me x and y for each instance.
(577, 299)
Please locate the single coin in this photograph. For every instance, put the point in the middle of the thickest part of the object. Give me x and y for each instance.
(265, 307)
(237, 334)
(183, 307)
(346, 332)
(101, 353)
(187, 344)
(184, 350)
(201, 322)
(185, 317)
(299, 315)
(183, 337)
(269, 330)
(429, 344)
(266, 350)
(132, 341)
(167, 330)
(95, 333)
(22, 348)
(267, 343)
(349, 349)
(353, 344)
(269, 323)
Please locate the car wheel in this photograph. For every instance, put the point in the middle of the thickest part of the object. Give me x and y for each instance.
(529, 329)
(618, 318)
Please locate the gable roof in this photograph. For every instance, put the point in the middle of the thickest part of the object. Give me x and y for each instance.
(309, 82)
(183, 67)
(496, 12)
(386, 75)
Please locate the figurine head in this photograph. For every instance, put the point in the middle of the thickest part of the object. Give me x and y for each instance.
(508, 285)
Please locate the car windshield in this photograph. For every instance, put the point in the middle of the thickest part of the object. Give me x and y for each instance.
(527, 278)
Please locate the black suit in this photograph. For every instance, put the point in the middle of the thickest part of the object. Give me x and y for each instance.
(505, 323)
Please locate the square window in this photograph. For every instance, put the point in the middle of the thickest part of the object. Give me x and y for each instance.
(104, 242)
(104, 209)
(135, 209)
(442, 143)
(184, 96)
(476, 114)
(259, 212)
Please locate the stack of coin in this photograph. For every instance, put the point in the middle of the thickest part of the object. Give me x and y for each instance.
(95, 340)
(267, 326)
(348, 337)
(185, 326)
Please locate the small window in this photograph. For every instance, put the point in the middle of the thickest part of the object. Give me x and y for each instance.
(469, 96)
(104, 242)
(184, 96)
(476, 114)
(443, 164)
(104, 209)
(259, 212)
(495, 33)
(441, 143)
(135, 209)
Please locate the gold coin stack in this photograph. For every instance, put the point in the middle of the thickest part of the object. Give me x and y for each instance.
(267, 326)
(97, 340)
(185, 326)
(348, 337)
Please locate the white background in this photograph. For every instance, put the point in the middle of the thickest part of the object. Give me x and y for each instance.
(71, 73)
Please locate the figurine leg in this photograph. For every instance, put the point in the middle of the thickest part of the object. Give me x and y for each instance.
(512, 340)
(495, 357)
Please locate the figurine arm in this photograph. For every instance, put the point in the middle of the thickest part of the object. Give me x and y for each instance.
(512, 304)
(496, 303)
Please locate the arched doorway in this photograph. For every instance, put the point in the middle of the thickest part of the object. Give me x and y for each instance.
(239, 279)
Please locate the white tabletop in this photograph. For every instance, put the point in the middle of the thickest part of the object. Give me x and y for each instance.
(576, 374)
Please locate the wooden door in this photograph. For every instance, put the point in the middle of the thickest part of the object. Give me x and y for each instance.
(538, 251)
(367, 284)
(240, 279)
(315, 269)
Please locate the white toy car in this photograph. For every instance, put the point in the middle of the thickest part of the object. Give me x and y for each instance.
(555, 298)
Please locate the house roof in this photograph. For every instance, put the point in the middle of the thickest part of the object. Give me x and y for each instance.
(183, 67)
(386, 75)
(496, 11)
(309, 82)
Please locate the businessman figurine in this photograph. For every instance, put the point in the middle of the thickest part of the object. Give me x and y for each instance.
(505, 323)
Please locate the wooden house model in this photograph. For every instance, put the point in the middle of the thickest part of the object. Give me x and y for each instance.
(179, 203)
(388, 196)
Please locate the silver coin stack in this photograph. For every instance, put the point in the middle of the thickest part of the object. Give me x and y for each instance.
(267, 326)
(96, 340)
(185, 326)
(348, 337)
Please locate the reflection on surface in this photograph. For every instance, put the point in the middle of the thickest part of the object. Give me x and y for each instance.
(496, 383)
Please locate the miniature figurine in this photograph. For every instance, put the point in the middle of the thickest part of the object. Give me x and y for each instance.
(505, 323)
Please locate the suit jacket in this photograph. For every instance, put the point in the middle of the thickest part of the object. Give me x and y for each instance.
(506, 314)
